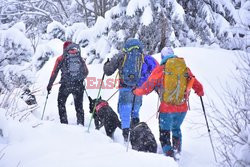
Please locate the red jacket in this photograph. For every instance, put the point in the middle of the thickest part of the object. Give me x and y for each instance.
(155, 81)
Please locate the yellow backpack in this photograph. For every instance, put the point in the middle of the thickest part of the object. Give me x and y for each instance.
(175, 81)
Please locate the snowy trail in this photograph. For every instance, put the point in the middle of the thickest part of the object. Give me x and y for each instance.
(53, 144)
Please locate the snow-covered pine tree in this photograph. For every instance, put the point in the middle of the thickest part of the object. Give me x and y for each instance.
(220, 22)
(16, 52)
(138, 19)
(56, 30)
(188, 22)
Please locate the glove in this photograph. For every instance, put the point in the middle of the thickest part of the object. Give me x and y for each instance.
(132, 89)
(137, 92)
(200, 93)
(48, 89)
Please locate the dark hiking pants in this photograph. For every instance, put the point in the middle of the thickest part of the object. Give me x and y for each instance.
(77, 90)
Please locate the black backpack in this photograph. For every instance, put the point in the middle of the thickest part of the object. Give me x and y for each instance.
(72, 66)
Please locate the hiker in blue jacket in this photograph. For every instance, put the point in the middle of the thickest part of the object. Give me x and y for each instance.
(134, 69)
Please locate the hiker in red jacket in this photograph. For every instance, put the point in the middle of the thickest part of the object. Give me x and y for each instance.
(171, 115)
(74, 71)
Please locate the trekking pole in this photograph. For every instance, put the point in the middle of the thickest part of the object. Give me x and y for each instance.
(113, 95)
(151, 117)
(98, 95)
(45, 105)
(158, 110)
(86, 92)
(188, 104)
(85, 89)
(203, 108)
(133, 105)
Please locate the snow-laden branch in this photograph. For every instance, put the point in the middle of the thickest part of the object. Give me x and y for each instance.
(39, 10)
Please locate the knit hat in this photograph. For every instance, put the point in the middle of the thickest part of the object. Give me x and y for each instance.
(66, 44)
(166, 51)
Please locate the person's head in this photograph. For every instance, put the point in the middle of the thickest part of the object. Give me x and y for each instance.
(70, 47)
(166, 52)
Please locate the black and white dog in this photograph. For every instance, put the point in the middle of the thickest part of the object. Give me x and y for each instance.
(142, 139)
(104, 115)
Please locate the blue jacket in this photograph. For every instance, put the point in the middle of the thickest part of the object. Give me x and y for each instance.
(148, 66)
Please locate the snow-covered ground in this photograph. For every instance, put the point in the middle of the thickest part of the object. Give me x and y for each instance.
(48, 143)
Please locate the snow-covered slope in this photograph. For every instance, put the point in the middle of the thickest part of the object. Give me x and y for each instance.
(48, 143)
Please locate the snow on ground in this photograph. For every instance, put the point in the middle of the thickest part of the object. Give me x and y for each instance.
(48, 143)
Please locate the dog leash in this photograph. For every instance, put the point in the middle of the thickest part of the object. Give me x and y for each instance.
(151, 117)
(113, 95)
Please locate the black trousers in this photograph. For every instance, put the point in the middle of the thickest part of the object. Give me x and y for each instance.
(77, 90)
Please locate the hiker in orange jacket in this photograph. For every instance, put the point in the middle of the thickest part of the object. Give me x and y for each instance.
(171, 116)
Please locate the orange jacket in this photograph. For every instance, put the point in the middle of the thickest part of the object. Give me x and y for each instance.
(155, 81)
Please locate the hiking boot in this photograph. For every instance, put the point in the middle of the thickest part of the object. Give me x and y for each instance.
(176, 144)
(80, 118)
(63, 114)
(134, 122)
(125, 133)
(165, 138)
(170, 153)
(80, 122)
(63, 119)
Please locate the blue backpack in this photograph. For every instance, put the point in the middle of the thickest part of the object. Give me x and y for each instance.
(130, 73)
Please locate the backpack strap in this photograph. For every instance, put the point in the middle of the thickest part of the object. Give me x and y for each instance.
(142, 61)
(131, 48)
(124, 60)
